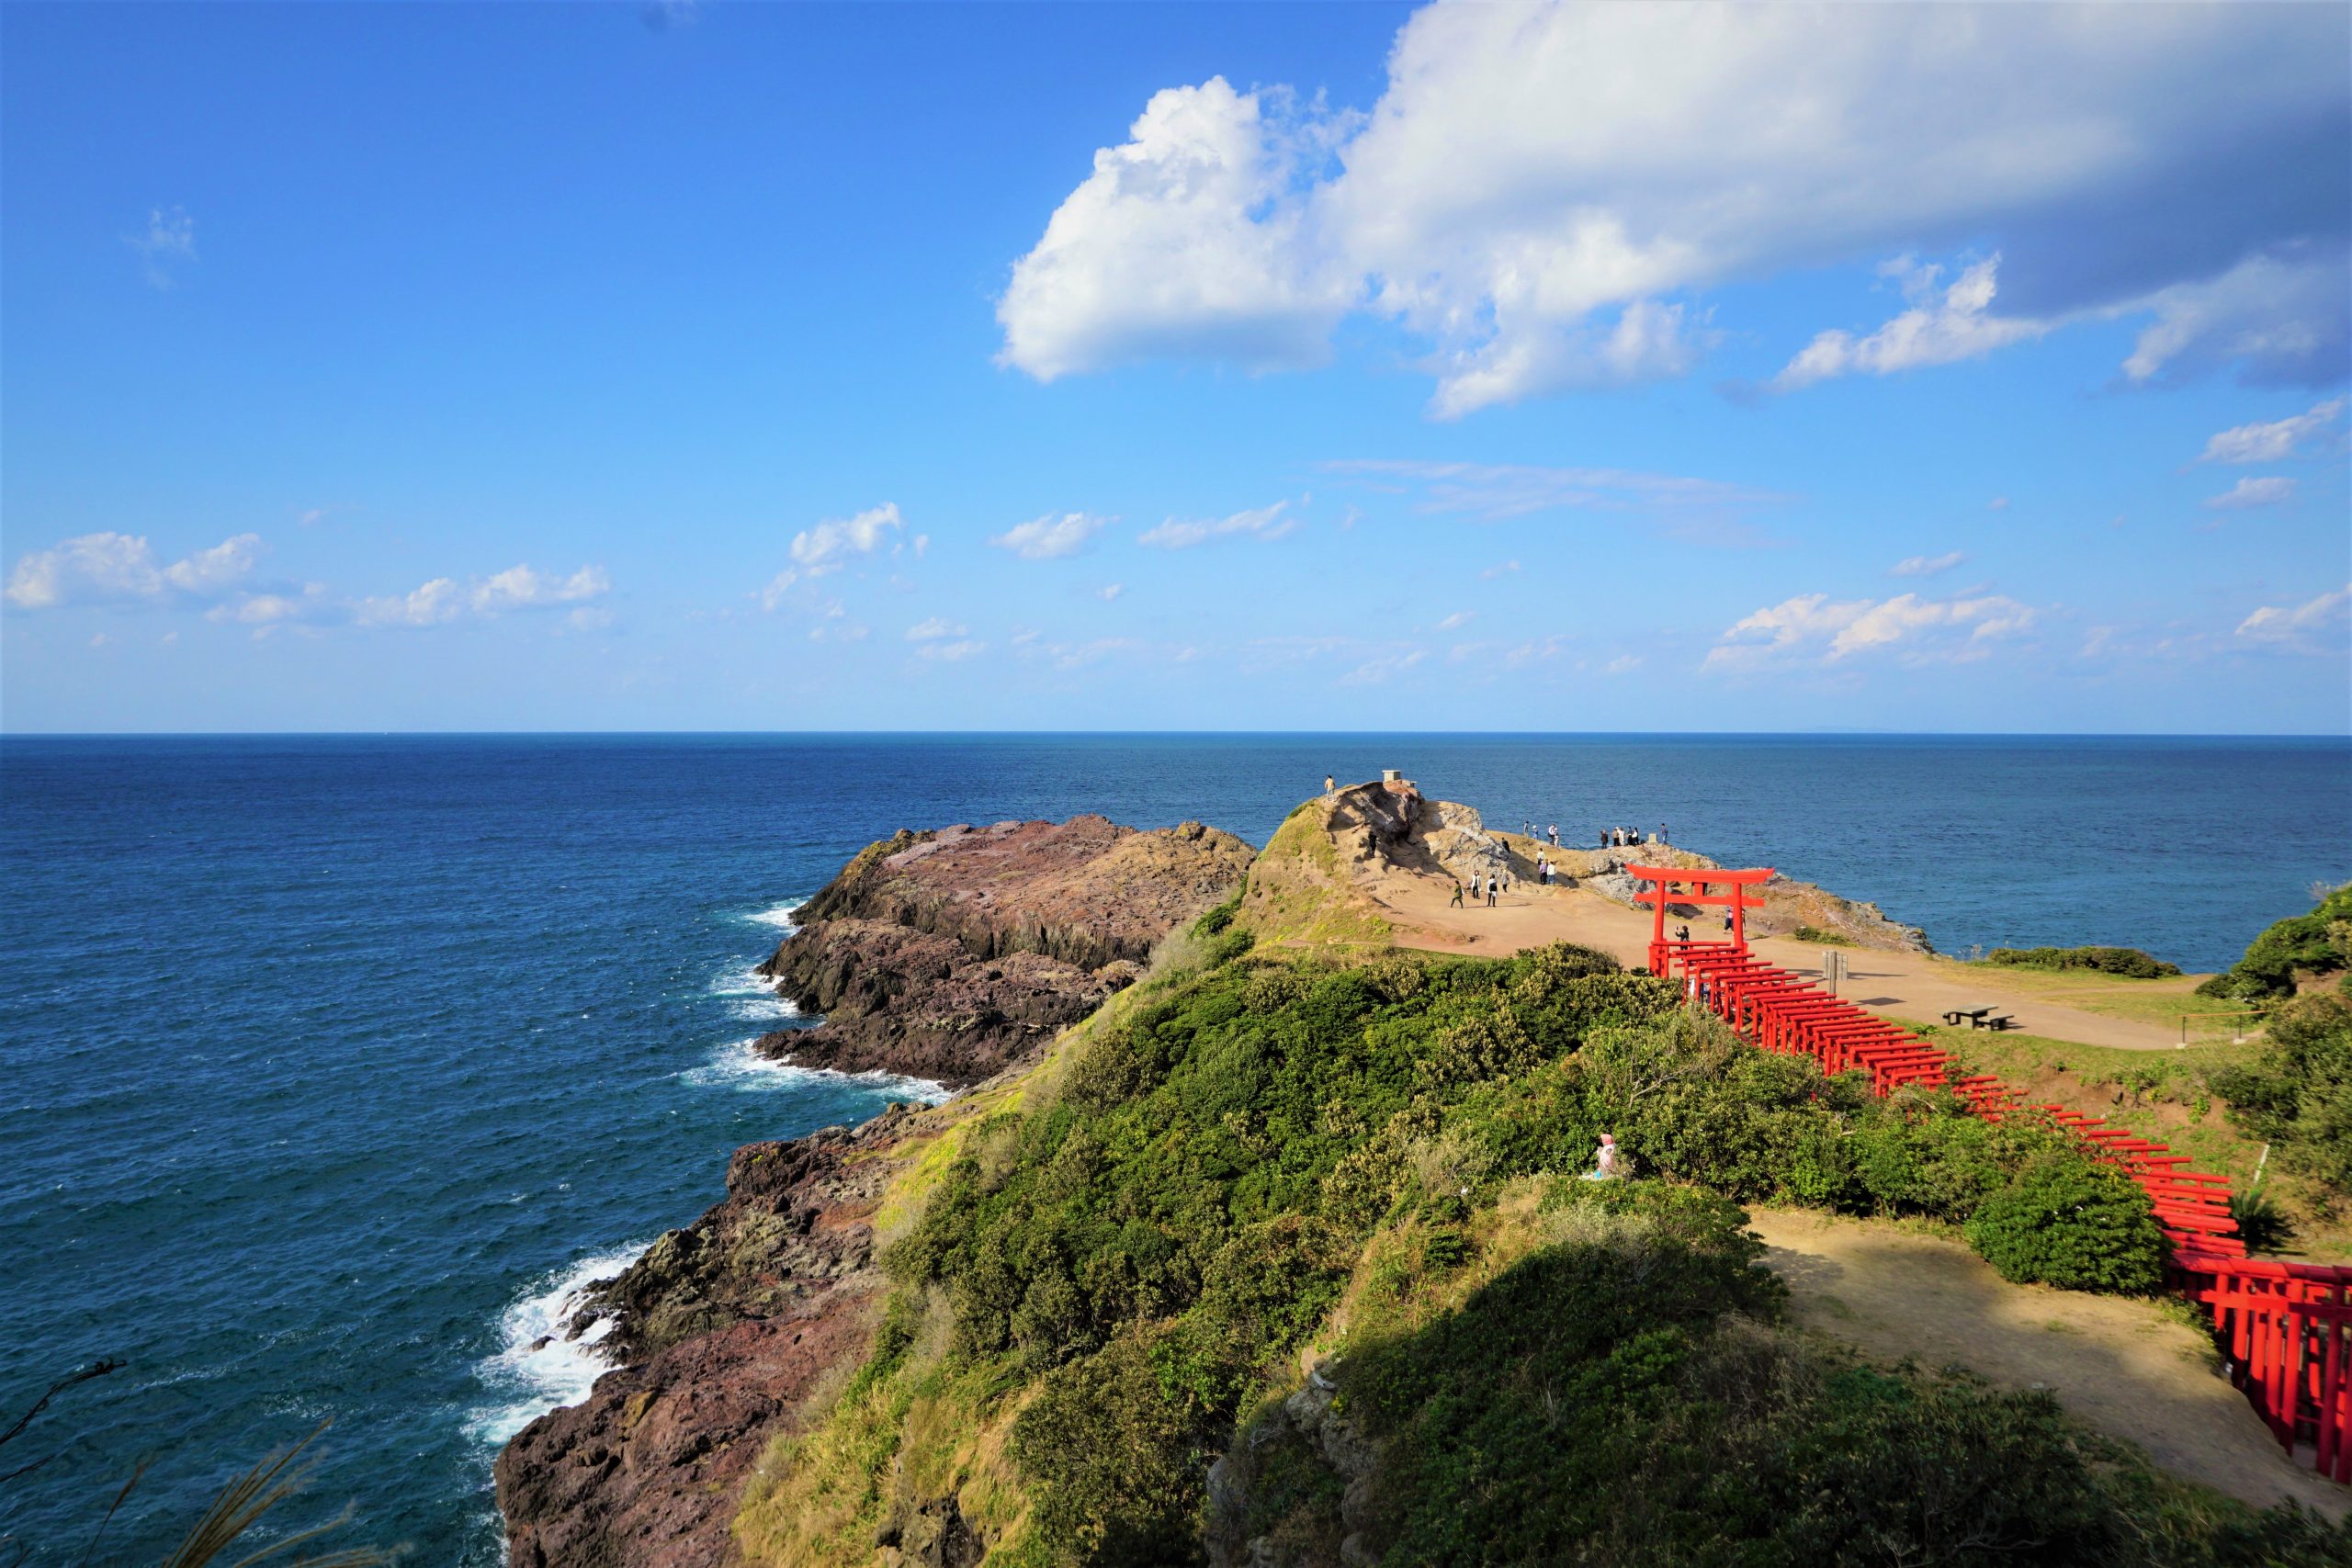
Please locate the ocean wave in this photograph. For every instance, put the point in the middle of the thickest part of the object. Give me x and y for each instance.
(740, 1068)
(752, 995)
(780, 917)
(525, 1377)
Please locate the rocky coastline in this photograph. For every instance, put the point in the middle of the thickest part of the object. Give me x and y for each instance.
(952, 955)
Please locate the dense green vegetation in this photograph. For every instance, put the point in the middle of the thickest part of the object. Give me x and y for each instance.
(2129, 962)
(1149, 1246)
(2298, 1094)
(2319, 943)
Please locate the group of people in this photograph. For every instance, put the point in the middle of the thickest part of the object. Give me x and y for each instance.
(1526, 830)
(1492, 885)
(1625, 838)
(1487, 885)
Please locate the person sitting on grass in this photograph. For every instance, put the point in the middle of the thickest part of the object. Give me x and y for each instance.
(1609, 1165)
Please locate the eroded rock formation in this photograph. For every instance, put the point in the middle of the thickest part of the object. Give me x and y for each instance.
(949, 955)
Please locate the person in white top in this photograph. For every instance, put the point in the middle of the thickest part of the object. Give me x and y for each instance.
(1605, 1166)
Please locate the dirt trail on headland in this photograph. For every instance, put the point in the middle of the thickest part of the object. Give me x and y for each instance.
(1905, 983)
(2127, 1368)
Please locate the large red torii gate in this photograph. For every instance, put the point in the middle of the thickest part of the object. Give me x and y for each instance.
(1737, 900)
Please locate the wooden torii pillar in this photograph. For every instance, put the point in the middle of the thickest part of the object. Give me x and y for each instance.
(1734, 897)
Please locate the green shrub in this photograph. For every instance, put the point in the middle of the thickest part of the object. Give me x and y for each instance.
(2263, 1225)
(1821, 938)
(2319, 942)
(1214, 920)
(2129, 962)
(2067, 1221)
(2297, 1095)
(1883, 1468)
(1113, 1451)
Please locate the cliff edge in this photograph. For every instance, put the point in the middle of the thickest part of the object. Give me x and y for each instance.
(952, 955)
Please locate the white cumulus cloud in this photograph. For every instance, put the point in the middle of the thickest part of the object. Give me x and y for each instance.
(1182, 242)
(122, 568)
(1542, 191)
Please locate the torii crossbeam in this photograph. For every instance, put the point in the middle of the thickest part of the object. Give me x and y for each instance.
(1734, 897)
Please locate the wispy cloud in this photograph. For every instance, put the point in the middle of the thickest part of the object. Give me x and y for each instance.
(1814, 628)
(2278, 439)
(168, 242)
(1495, 491)
(1943, 326)
(1259, 523)
(1926, 566)
(2268, 490)
(1052, 536)
(950, 652)
(123, 568)
(829, 545)
(836, 543)
(2296, 626)
(935, 630)
(445, 599)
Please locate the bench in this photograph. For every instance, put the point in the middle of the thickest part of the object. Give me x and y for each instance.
(1980, 1018)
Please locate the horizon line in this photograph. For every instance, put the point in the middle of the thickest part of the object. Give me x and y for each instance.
(1818, 732)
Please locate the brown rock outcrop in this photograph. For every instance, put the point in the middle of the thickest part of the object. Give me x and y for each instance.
(949, 955)
(724, 1326)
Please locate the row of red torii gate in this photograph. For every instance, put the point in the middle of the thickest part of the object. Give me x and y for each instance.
(2284, 1328)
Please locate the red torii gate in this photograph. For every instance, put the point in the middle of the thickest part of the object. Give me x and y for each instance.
(1737, 900)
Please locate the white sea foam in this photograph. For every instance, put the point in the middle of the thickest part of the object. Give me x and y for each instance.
(524, 1383)
(744, 1070)
(752, 995)
(781, 916)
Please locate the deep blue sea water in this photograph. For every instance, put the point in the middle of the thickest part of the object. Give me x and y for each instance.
(328, 1064)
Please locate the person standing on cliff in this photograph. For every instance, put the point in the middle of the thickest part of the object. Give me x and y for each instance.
(1331, 783)
(1553, 832)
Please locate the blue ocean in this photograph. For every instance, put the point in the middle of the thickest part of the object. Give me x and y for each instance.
(334, 1065)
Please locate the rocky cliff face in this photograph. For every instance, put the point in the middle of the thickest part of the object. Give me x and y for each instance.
(723, 1328)
(947, 955)
(950, 955)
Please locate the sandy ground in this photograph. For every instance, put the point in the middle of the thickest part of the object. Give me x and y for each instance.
(2125, 1366)
(1904, 983)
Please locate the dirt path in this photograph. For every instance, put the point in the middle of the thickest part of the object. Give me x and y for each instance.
(2124, 1367)
(1908, 985)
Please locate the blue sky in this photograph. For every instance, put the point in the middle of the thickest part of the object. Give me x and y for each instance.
(733, 367)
